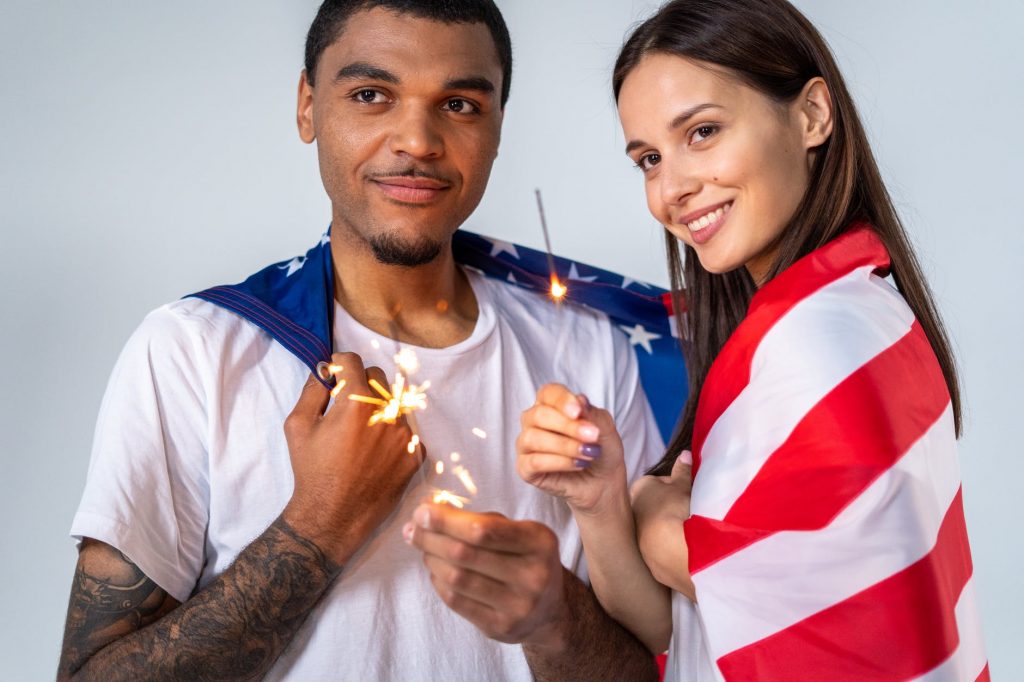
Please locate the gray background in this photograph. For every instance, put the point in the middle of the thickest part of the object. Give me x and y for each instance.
(148, 150)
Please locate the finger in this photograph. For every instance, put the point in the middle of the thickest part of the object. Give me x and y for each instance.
(600, 418)
(540, 442)
(466, 581)
(480, 615)
(560, 398)
(489, 531)
(682, 469)
(378, 375)
(532, 466)
(348, 368)
(495, 564)
(551, 419)
(311, 403)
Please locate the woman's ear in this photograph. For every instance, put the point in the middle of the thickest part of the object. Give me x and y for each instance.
(815, 111)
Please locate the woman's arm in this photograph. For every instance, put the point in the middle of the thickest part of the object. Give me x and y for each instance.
(572, 450)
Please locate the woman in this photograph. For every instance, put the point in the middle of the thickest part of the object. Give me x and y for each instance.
(825, 535)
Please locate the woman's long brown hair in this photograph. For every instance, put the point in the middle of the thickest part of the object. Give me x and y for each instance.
(770, 46)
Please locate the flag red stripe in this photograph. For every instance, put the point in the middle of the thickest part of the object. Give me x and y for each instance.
(898, 628)
(850, 438)
(730, 372)
(846, 441)
(984, 676)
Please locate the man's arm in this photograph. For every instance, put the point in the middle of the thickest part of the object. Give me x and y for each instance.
(348, 478)
(121, 625)
(506, 578)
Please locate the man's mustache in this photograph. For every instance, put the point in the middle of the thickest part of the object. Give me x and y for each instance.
(409, 172)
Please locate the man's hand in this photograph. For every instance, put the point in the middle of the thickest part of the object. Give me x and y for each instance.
(660, 505)
(503, 576)
(570, 449)
(348, 476)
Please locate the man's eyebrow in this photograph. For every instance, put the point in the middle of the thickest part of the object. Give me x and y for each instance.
(478, 83)
(677, 122)
(365, 71)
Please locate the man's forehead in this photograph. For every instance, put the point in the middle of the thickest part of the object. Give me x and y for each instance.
(416, 45)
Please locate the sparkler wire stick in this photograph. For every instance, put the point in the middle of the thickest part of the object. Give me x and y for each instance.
(558, 292)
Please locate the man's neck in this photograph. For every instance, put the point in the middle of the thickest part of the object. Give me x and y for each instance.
(429, 305)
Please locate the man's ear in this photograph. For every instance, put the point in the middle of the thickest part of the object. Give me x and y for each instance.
(304, 115)
(815, 111)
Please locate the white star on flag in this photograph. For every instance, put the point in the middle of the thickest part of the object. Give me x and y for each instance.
(512, 278)
(325, 239)
(626, 281)
(498, 247)
(293, 266)
(575, 274)
(639, 336)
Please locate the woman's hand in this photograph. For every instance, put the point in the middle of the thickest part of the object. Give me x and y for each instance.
(571, 449)
(660, 505)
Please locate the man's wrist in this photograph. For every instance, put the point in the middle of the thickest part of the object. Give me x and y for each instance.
(312, 524)
(553, 638)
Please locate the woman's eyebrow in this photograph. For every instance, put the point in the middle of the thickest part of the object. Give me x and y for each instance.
(677, 122)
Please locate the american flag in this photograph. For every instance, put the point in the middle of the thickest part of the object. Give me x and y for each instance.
(293, 302)
(827, 538)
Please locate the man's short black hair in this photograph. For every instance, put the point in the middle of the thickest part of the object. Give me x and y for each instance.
(330, 22)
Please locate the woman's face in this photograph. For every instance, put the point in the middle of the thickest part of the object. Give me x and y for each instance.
(724, 166)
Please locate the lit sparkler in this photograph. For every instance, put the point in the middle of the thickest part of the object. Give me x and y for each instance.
(448, 497)
(558, 290)
(401, 400)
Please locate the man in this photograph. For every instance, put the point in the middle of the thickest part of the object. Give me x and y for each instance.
(216, 544)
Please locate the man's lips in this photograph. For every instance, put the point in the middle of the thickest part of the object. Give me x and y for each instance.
(411, 190)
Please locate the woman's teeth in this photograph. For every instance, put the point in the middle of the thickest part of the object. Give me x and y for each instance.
(707, 219)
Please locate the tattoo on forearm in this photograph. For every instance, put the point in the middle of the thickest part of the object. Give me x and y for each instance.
(601, 648)
(127, 627)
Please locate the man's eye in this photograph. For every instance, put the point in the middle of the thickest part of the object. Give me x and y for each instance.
(648, 161)
(458, 105)
(369, 96)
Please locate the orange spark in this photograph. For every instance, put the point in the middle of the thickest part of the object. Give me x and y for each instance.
(558, 290)
(447, 497)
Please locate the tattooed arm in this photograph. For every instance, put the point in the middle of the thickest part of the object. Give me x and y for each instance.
(122, 625)
(348, 478)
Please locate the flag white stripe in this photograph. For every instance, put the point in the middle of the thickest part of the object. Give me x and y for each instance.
(969, 659)
(786, 577)
(810, 350)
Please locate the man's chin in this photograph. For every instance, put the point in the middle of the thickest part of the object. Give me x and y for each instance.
(390, 249)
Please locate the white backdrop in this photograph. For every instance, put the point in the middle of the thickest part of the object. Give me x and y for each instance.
(148, 150)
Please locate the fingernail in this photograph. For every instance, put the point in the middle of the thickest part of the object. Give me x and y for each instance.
(573, 410)
(582, 463)
(422, 517)
(589, 432)
(584, 401)
(686, 456)
(591, 450)
(407, 531)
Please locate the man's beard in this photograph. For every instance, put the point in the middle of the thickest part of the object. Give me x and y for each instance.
(390, 249)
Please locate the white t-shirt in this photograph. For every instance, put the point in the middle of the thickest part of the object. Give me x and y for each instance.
(190, 464)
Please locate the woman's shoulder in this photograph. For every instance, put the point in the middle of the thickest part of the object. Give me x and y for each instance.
(841, 325)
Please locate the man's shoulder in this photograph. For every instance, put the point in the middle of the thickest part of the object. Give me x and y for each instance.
(510, 297)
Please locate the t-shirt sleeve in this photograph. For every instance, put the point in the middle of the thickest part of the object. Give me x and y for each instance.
(147, 491)
(641, 440)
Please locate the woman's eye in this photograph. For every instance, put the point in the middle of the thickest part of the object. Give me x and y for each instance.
(457, 105)
(648, 161)
(703, 132)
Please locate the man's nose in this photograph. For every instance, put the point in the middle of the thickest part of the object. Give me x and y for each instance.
(417, 134)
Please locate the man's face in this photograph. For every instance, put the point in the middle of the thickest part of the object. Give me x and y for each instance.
(407, 117)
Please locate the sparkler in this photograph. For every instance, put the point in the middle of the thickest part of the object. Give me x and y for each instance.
(558, 290)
